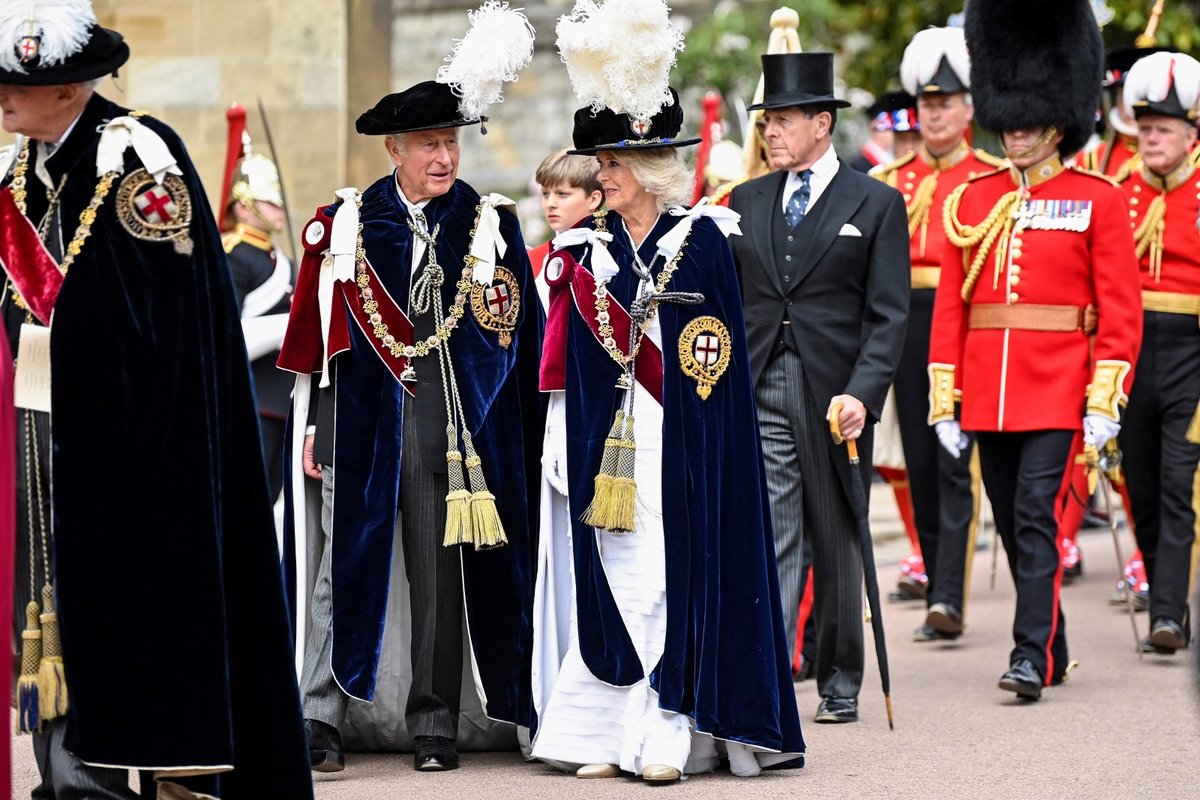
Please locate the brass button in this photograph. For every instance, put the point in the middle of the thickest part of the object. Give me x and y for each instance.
(908, 185)
(1132, 213)
(1016, 252)
(1013, 297)
(1015, 269)
(1137, 190)
(1014, 280)
(972, 174)
(1016, 241)
(911, 174)
(1133, 201)
(907, 197)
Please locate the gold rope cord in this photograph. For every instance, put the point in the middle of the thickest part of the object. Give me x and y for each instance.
(999, 220)
(922, 202)
(1149, 235)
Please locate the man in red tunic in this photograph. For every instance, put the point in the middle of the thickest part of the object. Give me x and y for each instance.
(935, 69)
(1161, 437)
(1037, 319)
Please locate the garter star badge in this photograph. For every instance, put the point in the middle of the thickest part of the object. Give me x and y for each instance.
(704, 352)
(156, 212)
(496, 307)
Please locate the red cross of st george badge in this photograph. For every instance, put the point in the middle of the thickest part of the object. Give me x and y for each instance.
(28, 47)
(155, 205)
(497, 298)
(708, 350)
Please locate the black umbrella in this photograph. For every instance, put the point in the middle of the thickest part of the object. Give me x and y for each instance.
(868, 559)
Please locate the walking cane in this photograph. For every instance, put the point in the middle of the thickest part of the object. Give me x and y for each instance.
(1112, 459)
(868, 558)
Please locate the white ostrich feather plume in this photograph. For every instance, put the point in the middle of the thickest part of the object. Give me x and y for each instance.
(1152, 77)
(498, 45)
(924, 53)
(61, 25)
(619, 54)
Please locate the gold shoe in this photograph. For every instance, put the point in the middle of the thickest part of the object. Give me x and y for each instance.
(660, 772)
(598, 771)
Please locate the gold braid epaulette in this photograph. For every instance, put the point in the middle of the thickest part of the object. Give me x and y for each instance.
(999, 220)
(888, 172)
(1128, 168)
(724, 190)
(922, 202)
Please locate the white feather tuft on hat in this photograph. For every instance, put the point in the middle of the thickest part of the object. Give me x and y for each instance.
(619, 54)
(497, 46)
(60, 28)
(924, 54)
(1151, 78)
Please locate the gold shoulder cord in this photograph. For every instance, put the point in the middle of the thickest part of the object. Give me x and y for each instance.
(1149, 235)
(997, 224)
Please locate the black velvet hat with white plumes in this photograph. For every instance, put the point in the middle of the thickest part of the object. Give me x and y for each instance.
(1034, 64)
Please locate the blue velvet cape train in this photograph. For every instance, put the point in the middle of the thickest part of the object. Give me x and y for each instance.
(171, 605)
(726, 662)
(498, 388)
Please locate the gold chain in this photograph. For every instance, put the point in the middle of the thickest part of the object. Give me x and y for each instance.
(87, 217)
(442, 331)
(604, 321)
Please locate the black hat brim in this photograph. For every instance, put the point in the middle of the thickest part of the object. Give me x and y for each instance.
(798, 101)
(104, 53)
(632, 145)
(425, 106)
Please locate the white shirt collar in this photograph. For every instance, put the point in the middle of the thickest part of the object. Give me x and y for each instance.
(403, 199)
(823, 171)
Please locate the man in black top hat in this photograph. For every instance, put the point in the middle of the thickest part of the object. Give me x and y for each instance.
(824, 271)
(145, 522)
(427, 348)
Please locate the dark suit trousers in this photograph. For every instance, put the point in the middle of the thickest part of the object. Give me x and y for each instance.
(1160, 463)
(807, 501)
(1022, 472)
(940, 484)
(434, 576)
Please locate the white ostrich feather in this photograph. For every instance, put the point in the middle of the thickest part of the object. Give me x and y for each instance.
(61, 25)
(619, 54)
(1152, 77)
(497, 46)
(924, 53)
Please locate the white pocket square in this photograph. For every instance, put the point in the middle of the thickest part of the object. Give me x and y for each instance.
(849, 230)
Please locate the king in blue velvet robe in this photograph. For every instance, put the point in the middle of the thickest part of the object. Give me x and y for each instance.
(498, 388)
(725, 662)
(166, 569)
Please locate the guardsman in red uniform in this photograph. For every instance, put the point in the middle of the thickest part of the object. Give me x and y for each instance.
(1037, 319)
(935, 69)
(1161, 436)
(1116, 155)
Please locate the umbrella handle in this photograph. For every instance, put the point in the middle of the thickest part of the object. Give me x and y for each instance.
(836, 432)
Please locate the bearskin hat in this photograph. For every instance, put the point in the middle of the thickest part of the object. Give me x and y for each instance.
(1034, 64)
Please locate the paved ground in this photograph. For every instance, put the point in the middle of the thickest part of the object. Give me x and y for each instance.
(1122, 727)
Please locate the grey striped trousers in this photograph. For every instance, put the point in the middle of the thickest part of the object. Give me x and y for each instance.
(807, 500)
(434, 575)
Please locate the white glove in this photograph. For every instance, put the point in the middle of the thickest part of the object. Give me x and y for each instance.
(1098, 430)
(554, 444)
(951, 437)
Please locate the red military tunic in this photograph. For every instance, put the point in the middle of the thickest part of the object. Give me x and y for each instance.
(1118, 165)
(926, 181)
(1061, 262)
(1163, 214)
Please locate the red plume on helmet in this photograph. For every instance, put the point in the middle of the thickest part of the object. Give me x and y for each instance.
(235, 150)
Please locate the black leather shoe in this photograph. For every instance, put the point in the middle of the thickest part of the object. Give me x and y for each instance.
(434, 754)
(928, 634)
(1167, 636)
(944, 618)
(1024, 679)
(838, 709)
(325, 750)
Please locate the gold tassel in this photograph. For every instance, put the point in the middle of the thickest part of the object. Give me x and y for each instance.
(458, 500)
(52, 681)
(487, 529)
(616, 491)
(29, 719)
(1193, 431)
(600, 509)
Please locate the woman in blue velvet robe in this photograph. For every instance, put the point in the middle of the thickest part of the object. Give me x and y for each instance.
(666, 645)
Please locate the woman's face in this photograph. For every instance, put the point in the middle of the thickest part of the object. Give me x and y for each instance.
(621, 189)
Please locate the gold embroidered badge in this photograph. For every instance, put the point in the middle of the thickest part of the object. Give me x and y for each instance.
(156, 212)
(704, 352)
(496, 307)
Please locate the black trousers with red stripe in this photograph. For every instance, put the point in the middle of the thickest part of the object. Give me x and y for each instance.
(1022, 472)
